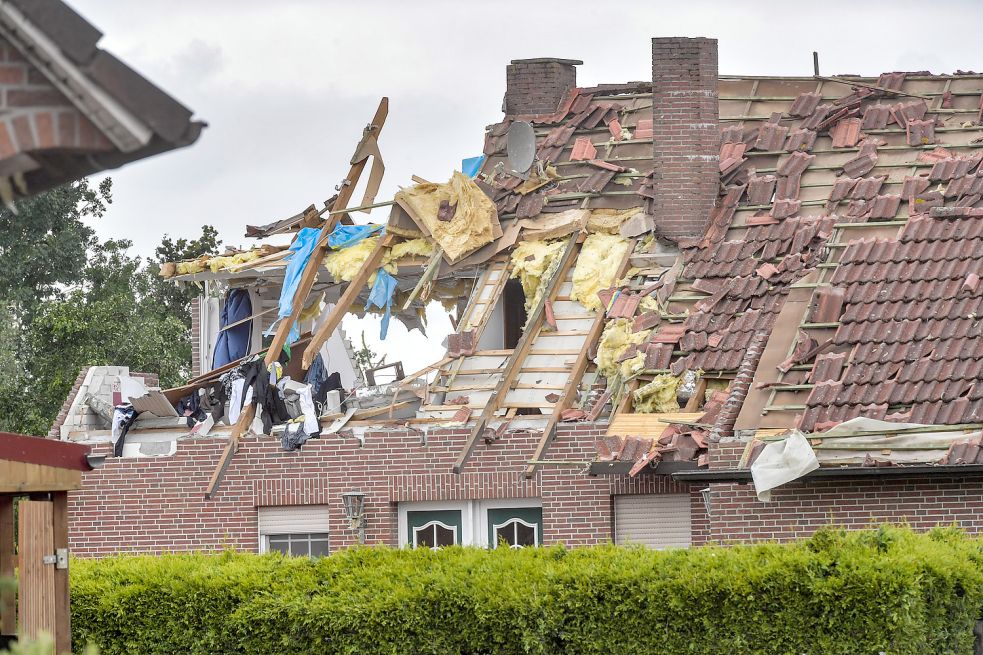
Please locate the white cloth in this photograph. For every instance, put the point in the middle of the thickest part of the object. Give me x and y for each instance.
(781, 462)
(304, 395)
(236, 401)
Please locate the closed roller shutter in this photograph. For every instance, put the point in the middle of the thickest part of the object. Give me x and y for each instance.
(295, 519)
(653, 520)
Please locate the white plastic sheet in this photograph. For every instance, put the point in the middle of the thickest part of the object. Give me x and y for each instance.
(781, 462)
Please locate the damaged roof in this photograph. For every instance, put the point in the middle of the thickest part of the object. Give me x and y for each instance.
(848, 233)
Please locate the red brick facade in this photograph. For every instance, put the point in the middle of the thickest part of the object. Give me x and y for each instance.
(158, 504)
(685, 133)
(36, 115)
(799, 509)
(537, 86)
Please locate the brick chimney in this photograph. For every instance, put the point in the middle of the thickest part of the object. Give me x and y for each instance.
(538, 86)
(685, 133)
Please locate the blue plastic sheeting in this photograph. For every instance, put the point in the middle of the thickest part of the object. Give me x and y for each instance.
(300, 250)
(233, 344)
(472, 165)
(344, 236)
(381, 296)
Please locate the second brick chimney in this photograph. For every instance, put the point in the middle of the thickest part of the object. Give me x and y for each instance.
(538, 86)
(685, 133)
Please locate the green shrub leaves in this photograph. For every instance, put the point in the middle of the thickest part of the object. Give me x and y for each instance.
(889, 590)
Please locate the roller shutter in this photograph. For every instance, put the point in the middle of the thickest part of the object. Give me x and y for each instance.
(653, 520)
(294, 519)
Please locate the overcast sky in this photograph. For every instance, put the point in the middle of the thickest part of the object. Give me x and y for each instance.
(287, 86)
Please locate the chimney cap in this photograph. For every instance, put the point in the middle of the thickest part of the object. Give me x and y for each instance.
(548, 60)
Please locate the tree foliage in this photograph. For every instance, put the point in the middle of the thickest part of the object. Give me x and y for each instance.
(72, 301)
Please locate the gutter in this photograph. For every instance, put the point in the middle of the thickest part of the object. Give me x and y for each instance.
(743, 476)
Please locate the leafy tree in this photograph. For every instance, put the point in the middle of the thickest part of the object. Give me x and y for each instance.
(91, 304)
(44, 245)
(175, 300)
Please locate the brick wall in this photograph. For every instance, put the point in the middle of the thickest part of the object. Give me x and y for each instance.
(686, 137)
(158, 504)
(537, 86)
(36, 115)
(799, 509)
(196, 338)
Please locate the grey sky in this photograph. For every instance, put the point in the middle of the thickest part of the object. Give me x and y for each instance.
(287, 86)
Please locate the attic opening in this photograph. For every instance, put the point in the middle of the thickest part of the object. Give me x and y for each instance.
(514, 313)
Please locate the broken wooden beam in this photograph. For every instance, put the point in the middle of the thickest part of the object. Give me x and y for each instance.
(303, 289)
(576, 374)
(514, 363)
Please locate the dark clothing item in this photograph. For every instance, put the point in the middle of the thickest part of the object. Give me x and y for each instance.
(294, 436)
(264, 394)
(212, 400)
(233, 343)
(123, 418)
(321, 383)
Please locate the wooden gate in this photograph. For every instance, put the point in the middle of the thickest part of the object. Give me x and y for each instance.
(36, 537)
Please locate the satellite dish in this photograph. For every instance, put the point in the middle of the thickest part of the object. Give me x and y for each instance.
(521, 147)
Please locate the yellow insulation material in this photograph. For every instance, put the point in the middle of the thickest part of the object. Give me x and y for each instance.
(530, 261)
(650, 304)
(413, 247)
(345, 264)
(610, 220)
(193, 266)
(657, 396)
(597, 266)
(218, 263)
(615, 339)
(633, 365)
(471, 225)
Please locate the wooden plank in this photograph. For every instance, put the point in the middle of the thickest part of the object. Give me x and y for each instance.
(36, 588)
(303, 291)
(21, 477)
(699, 393)
(649, 426)
(8, 598)
(63, 619)
(533, 325)
(576, 375)
(340, 309)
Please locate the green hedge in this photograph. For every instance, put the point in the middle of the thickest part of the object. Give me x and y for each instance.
(853, 593)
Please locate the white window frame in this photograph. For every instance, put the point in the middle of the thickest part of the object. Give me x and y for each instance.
(474, 516)
(265, 540)
(535, 529)
(430, 524)
(264, 537)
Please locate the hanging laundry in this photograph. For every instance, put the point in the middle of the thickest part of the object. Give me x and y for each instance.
(300, 404)
(233, 342)
(123, 418)
(381, 296)
(294, 436)
(344, 236)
